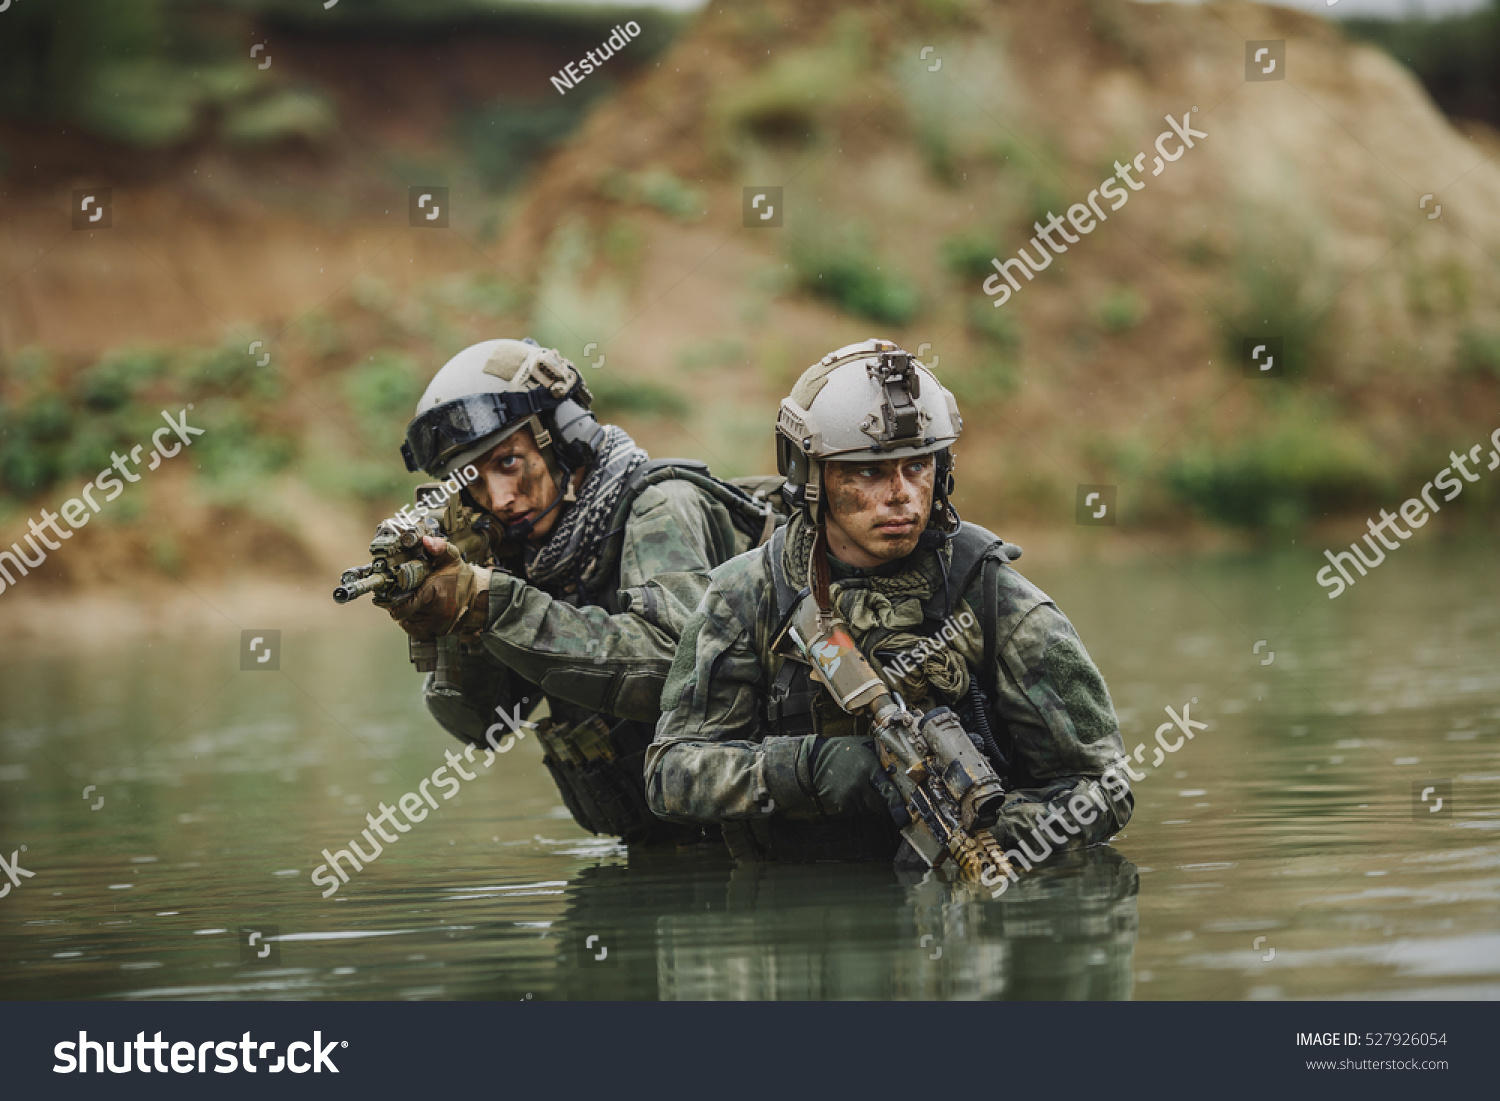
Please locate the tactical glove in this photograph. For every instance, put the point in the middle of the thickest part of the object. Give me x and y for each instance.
(812, 776)
(454, 599)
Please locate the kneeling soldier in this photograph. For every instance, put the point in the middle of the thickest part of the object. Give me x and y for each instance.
(749, 741)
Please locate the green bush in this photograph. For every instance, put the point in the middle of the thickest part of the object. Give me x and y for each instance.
(614, 396)
(841, 267)
(383, 393)
(504, 139)
(118, 378)
(1121, 309)
(1281, 477)
(995, 327)
(969, 254)
(656, 188)
(724, 351)
(1479, 352)
(1281, 289)
(278, 117)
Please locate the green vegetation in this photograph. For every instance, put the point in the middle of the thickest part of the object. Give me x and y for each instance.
(655, 188)
(146, 75)
(724, 351)
(784, 102)
(503, 140)
(1121, 309)
(1479, 352)
(614, 396)
(1301, 467)
(58, 426)
(968, 254)
(1281, 288)
(841, 266)
(995, 327)
(1453, 56)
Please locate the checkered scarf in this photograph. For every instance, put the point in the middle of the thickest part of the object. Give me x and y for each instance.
(572, 552)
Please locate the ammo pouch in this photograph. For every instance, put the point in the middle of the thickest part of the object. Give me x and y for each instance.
(598, 767)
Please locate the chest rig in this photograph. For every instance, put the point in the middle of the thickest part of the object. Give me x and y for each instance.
(796, 705)
(597, 760)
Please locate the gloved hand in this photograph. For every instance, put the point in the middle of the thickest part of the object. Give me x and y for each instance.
(810, 776)
(454, 599)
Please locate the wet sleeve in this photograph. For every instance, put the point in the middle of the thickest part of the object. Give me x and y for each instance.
(1064, 735)
(707, 764)
(615, 664)
(486, 689)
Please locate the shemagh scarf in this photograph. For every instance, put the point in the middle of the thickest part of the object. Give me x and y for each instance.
(572, 552)
(892, 604)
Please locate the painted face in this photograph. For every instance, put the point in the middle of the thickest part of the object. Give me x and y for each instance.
(877, 510)
(513, 484)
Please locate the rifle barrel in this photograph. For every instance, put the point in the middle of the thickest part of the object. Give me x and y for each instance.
(345, 593)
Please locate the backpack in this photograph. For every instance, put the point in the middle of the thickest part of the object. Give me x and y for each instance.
(754, 503)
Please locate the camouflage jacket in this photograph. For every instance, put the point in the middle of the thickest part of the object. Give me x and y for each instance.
(715, 759)
(607, 652)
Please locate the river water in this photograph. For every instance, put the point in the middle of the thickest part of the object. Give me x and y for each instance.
(172, 809)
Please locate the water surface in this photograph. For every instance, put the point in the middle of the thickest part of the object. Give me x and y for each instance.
(1282, 853)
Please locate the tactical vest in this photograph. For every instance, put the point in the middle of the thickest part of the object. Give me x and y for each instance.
(596, 760)
(794, 699)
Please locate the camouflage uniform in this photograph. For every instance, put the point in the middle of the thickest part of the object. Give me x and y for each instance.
(729, 749)
(594, 656)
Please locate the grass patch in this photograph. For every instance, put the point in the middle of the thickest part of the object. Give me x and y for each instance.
(1479, 352)
(506, 138)
(1280, 477)
(1121, 309)
(842, 267)
(655, 188)
(614, 396)
(968, 254)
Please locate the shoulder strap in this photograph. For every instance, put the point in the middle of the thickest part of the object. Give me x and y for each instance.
(973, 546)
(786, 595)
(989, 589)
(754, 518)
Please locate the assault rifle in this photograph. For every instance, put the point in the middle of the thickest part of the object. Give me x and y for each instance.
(399, 563)
(949, 789)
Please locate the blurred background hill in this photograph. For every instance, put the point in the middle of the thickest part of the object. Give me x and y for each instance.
(260, 194)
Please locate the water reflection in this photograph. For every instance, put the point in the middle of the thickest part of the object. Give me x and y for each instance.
(854, 931)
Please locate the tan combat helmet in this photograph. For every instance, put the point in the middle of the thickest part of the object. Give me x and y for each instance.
(491, 390)
(870, 400)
